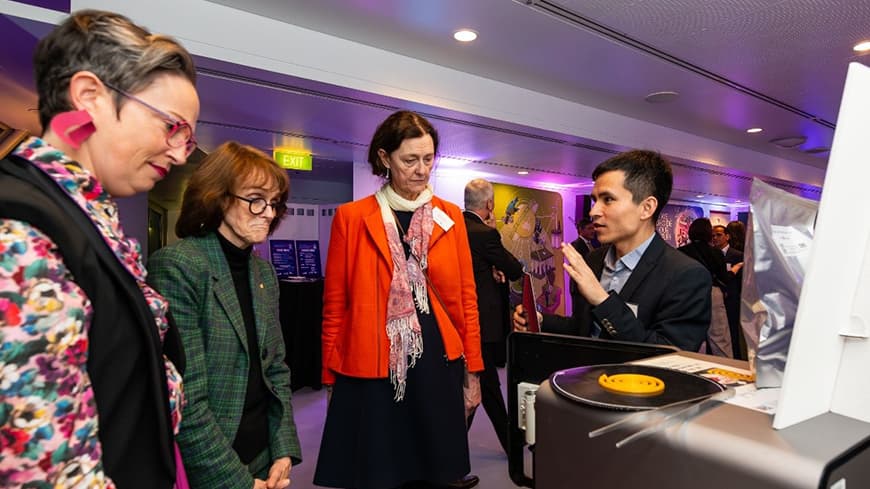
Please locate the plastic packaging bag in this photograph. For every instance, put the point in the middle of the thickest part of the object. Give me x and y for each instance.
(779, 237)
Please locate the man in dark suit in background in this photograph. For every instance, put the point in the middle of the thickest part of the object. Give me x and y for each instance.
(722, 240)
(585, 242)
(636, 287)
(734, 264)
(492, 265)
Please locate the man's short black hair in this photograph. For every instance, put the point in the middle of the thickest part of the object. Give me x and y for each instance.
(647, 173)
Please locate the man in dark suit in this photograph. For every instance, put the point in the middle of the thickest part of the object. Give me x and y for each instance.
(636, 287)
(492, 264)
(585, 242)
(734, 264)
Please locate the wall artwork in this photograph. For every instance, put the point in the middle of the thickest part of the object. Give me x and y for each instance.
(530, 224)
(719, 218)
(674, 221)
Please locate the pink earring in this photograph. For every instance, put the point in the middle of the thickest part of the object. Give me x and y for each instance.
(73, 127)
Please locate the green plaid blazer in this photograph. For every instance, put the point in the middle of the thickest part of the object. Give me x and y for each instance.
(195, 278)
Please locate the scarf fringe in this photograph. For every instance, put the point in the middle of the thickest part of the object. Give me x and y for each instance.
(406, 346)
(421, 297)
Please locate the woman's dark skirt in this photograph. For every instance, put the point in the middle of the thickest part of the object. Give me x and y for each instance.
(373, 442)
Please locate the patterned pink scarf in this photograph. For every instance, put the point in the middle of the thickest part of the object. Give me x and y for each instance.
(408, 291)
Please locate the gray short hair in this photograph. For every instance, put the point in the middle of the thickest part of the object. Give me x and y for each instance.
(477, 192)
(109, 45)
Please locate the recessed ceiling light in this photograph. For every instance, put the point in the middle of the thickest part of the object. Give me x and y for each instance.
(700, 196)
(465, 35)
(862, 47)
(754, 130)
(738, 201)
(662, 97)
(522, 172)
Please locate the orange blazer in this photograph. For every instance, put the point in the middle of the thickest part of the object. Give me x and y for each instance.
(358, 274)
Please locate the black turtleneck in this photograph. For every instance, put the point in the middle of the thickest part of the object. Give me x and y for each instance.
(253, 434)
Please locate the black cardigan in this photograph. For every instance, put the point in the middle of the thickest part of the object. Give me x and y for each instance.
(125, 361)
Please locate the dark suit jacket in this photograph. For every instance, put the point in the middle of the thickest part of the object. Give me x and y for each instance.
(580, 245)
(671, 292)
(712, 259)
(487, 251)
(583, 248)
(732, 292)
(733, 256)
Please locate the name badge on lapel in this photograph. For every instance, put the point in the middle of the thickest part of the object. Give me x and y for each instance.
(442, 219)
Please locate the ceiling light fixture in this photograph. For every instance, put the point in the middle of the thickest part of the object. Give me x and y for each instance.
(754, 130)
(522, 172)
(789, 141)
(862, 47)
(662, 97)
(700, 196)
(465, 35)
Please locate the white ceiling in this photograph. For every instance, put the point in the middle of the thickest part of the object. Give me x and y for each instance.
(779, 65)
(783, 56)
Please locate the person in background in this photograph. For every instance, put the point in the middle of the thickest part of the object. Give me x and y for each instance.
(492, 265)
(700, 249)
(735, 232)
(400, 326)
(722, 241)
(636, 287)
(586, 239)
(238, 429)
(90, 391)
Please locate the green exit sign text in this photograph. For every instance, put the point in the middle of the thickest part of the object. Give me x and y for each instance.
(292, 160)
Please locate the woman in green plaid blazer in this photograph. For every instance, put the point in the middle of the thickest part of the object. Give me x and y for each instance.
(237, 429)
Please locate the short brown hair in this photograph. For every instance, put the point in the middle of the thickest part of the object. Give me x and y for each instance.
(110, 46)
(218, 176)
(396, 128)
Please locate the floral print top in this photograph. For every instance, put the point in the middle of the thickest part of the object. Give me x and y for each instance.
(48, 416)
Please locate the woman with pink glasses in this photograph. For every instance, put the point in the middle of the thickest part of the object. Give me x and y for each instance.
(90, 390)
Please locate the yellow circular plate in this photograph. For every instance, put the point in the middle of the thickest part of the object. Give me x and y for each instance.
(632, 384)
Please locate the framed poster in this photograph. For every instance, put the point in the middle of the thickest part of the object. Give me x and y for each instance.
(308, 253)
(719, 218)
(283, 254)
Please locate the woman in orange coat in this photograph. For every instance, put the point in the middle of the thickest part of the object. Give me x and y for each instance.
(400, 326)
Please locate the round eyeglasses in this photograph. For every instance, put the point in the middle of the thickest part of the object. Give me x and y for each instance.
(258, 205)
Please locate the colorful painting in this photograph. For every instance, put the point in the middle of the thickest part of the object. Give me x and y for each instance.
(674, 221)
(530, 224)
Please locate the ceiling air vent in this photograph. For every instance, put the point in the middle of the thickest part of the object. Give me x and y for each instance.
(789, 142)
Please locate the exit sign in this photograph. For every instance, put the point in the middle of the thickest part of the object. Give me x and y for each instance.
(292, 160)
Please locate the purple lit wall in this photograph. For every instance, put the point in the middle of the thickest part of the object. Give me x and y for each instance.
(59, 5)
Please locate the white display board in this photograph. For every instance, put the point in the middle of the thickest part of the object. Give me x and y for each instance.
(829, 356)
